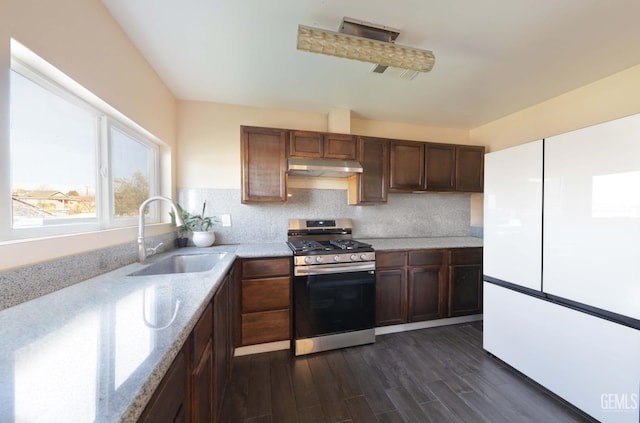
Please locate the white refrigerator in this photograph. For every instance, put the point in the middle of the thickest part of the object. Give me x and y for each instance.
(562, 265)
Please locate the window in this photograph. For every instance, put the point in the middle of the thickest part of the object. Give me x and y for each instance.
(74, 165)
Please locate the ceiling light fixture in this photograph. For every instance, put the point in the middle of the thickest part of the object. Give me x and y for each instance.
(365, 42)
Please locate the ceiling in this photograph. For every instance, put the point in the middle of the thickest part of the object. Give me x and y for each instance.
(493, 57)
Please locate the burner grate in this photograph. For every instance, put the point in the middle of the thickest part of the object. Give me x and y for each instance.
(348, 244)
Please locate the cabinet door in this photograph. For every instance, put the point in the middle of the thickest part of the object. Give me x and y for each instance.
(469, 169)
(406, 166)
(340, 147)
(426, 293)
(391, 297)
(221, 339)
(440, 167)
(264, 166)
(465, 281)
(370, 187)
(169, 402)
(202, 394)
(306, 144)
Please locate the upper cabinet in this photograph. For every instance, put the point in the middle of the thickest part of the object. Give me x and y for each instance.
(388, 165)
(264, 165)
(469, 168)
(318, 145)
(440, 163)
(370, 187)
(406, 166)
(418, 166)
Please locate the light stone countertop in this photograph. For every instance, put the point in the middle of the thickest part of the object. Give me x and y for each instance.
(96, 351)
(391, 244)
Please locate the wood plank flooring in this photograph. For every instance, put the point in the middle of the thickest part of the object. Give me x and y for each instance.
(435, 375)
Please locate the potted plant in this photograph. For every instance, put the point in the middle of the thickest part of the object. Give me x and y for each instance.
(182, 230)
(201, 227)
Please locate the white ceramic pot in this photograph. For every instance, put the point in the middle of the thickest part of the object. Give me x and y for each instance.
(203, 239)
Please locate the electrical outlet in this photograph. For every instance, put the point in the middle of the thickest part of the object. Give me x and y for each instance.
(226, 219)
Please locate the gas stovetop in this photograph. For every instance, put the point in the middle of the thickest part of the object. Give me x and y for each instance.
(310, 247)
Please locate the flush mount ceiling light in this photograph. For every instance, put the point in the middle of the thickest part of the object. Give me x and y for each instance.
(366, 42)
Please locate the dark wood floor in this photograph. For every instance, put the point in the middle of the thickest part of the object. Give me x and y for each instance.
(431, 375)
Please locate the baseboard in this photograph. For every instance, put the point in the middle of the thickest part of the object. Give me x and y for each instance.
(261, 348)
(383, 330)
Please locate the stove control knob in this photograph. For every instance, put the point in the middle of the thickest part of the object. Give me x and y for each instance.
(363, 257)
(336, 258)
(353, 257)
(318, 259)
(308, 259)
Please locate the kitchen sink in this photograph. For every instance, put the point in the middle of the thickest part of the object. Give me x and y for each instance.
(185, 263)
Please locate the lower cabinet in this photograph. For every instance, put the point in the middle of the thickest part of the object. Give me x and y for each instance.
(265, 301)
(427, 285)
(418, 285)
(391, 288)
(170, 401)
(201, 377)
(193, 388)
(465, 281)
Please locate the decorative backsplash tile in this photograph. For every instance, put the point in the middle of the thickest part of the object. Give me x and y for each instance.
(405, 215)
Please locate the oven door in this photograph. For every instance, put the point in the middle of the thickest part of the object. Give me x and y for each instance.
(327, 302)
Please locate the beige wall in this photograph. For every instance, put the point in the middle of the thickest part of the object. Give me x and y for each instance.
(613, 97)
(81, 38)
(209, 139)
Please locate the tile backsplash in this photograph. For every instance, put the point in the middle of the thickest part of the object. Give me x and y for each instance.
(404, 215)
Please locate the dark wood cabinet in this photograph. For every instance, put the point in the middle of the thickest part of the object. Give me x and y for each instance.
(370, 187)
(340, 147)
(193, 388)
(440, 163)
(406, 166)
(169, 403)
(305, 144)
(418, 166)
(427, 285)
(391, 288)
(201, 379)
(265, 301)
(318, 145)
(469, 168)
(222, 348)
(264, 156)
(465, 281)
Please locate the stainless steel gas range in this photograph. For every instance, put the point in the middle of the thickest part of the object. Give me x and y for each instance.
(333, 286)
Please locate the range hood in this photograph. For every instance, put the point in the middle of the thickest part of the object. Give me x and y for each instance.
(320, 167)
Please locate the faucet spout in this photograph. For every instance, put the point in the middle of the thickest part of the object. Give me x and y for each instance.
(142, 250)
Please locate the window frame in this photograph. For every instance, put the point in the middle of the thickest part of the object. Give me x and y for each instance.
(30, 66)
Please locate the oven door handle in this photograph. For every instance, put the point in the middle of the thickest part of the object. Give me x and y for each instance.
(329, 269)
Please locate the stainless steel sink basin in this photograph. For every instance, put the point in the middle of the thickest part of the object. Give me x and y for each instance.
(185, 263)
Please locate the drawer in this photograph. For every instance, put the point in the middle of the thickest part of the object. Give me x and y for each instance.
(202, 333)
(462, 256)
(266, 326)
(425, 257)
(390, 259)
(266, 294)
(260, 268)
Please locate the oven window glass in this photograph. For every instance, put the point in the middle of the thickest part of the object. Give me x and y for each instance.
(334, 303)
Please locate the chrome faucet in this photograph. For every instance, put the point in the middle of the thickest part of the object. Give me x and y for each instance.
(143, 251)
